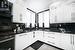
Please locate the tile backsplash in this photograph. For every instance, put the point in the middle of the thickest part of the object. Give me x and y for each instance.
(66, 26)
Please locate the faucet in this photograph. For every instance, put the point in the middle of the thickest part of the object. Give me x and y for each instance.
(62, 30)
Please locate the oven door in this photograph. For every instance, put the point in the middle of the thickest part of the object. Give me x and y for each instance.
(5, 28)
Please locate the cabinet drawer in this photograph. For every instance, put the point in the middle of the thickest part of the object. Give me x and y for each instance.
(49, 35)
(49, 42)
(51, 39)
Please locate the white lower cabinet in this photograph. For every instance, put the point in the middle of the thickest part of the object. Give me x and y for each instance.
(68, 41)
(39, 35)
(49, 37)
(57, 40)
(20, 41)
(23, 40)
(52, 38)
(74, 43)
(62, 40)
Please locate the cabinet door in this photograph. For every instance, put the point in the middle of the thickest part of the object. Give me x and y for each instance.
(58, 40)
(38, 35)
(20, 41)
(74, 42)
(31, 37)
(66, 41)
(60, 14)
(63, 14)
(23, 40)
(73, 13)
(53, 19)
(49, 38)
(17, 6)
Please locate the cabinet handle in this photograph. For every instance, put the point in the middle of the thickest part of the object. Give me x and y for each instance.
(51, 37)
(43, 33)
(51, 33)
(33, 34)
(71, 39)
(23, 34)
(50, 42)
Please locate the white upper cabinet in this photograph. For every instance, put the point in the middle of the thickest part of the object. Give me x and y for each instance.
(72, 12)
(18, 11)
(12, 1)
(60, 13)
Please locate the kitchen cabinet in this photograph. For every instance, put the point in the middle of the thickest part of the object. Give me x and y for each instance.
(39, 35)
(73, 42)
(49, 37)
(73, 12)
(20, 41)
(60, 14)
(53, 17)
(23, 40)
(58, 40)
(18, 16)
(16, 12)
(67, 41)
(52, 38)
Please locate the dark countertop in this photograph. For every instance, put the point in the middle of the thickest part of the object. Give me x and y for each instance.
(48, 30)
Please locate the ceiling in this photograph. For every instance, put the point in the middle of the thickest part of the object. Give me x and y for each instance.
(40, 5)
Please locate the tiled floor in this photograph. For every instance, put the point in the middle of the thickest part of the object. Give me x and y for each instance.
(29, 48)
(47, 47)
(41, 47)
